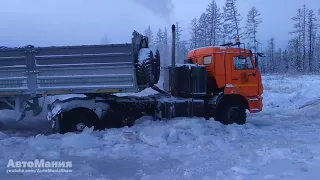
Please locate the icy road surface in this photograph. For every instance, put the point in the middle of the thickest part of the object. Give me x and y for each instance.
(282, 142)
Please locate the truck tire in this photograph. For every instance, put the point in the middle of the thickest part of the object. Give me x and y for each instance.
(145, 68)
(77, 119)
(157, 64)
(231, 112)
(149, 69)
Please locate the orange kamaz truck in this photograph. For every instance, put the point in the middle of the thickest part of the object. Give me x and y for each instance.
(215, 83)
(233, 81)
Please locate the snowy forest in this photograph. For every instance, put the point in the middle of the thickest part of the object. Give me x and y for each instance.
(219, 25)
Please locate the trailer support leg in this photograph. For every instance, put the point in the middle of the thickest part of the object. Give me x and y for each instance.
(20, 107)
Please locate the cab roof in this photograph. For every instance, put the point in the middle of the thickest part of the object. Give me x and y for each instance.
(217, 49)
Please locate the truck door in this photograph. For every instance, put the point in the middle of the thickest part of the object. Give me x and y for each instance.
(245, 75)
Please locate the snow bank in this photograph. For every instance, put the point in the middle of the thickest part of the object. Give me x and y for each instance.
(282, 142)
(5, 114)
(147, 91)
(290, 92)
(3, 135)
(180, 148)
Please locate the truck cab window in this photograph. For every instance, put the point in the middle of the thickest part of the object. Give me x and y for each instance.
(242, 63)
(207, 60)
(239, 63)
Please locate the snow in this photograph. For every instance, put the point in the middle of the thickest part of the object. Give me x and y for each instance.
(147, 91)
(189, 65)
(144, 54)
(229, 86)
(58, 107)
(154, 50)
(222, 47)
(282, 142)
(291, 92)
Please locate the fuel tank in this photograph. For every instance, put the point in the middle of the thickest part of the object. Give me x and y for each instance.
(190, 80)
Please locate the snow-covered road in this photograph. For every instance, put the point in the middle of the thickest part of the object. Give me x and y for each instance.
(282, 142)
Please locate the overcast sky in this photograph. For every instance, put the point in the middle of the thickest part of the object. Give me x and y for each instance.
(74, 22)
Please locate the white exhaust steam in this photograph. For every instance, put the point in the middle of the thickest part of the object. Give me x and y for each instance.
(164, 8)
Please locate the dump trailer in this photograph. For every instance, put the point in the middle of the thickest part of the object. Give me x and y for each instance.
(29, 73)
(215, 82)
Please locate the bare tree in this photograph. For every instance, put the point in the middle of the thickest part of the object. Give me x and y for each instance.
(148, 32)
(303, 32)
(317, 53)
(304, 21)
(214, 18)
(297, 39)
(178, 41)
(285, 60)
(165, 52)
(278, 61)
(253, 21)
(232, 20)
(105, 40)
(311, 33)
(183, 51)
(270, 63)
(194, 32)
(203, 30)
(317, 47)
(159, 37)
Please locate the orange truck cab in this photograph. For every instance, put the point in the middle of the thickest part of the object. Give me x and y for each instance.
(232, 78)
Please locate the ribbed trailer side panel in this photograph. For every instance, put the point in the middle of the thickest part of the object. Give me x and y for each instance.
(68, 69)
(13, 68)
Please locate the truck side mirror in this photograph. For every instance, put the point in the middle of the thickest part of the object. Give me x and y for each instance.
(257, 58)
(256, 61)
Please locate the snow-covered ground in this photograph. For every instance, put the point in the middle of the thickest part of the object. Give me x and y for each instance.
(282, 142)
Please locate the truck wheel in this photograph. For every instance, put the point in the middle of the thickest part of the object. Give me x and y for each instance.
(156, 66)
(145, 66)
(77, 119)
(139, 71)
(149, 70)
(230, 112)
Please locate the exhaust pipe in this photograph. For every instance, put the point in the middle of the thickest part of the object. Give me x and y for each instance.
(173, 60)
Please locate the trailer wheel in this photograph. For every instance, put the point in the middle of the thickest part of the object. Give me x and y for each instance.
(77, 119)
(231, 112)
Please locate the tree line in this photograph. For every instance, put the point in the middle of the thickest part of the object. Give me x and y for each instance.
(220, 25)
(302, 52)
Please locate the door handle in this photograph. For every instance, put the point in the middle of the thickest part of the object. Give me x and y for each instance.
(235, 79)
(253, 74)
